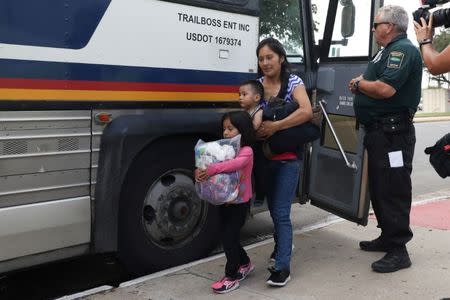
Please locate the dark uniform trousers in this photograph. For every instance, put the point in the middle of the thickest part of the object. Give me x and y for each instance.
(390, 187)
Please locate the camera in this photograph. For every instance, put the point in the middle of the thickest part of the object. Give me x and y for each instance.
(441, 17)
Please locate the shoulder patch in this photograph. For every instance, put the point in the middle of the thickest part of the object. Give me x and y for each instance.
(395, 59)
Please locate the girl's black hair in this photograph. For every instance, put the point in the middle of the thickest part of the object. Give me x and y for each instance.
(278, 48)
(256, 86)
(243, 122)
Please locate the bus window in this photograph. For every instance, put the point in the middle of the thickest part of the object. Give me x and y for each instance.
(356, 45)
(347, 131)
(281, 20)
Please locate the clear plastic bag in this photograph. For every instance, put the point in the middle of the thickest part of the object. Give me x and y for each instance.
(220, 188)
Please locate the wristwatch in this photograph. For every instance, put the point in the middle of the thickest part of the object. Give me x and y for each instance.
(425, 41)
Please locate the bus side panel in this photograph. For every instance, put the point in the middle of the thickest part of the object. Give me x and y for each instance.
(144, 33)
(44, 181)
(44, 227)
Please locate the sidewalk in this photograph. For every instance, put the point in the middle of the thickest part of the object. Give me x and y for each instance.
(326, 264)
(431, 119)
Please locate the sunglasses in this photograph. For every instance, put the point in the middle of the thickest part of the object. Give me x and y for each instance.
(375, 25)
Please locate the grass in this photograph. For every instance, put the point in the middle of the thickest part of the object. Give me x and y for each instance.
(436, 114)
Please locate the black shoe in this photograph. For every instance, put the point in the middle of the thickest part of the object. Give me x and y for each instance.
(374, 245)
(271, 269)
(393, 261)
(278, 278)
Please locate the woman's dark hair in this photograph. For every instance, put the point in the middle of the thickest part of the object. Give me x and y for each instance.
(243, 122)
(278, 48)
(257, 86)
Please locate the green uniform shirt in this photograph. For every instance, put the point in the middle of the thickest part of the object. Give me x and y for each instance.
(400, 66)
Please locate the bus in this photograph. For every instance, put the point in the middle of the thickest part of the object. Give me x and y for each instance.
(102, 102)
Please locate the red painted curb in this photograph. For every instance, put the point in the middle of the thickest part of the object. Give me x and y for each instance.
(434, 215)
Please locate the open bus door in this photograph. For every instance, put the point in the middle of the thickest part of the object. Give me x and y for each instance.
(336, 176)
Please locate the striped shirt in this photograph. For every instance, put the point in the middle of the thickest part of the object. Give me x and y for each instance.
(293, 82)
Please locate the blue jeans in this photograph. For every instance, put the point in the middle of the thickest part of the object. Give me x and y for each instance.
(282, 183)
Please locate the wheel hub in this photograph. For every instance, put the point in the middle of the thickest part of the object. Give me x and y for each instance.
(178, 211)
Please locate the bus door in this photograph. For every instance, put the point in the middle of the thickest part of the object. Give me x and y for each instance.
(337, 171)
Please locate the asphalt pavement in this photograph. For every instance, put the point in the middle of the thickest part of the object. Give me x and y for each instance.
(326, 264)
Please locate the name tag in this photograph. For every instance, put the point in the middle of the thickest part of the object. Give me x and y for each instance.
(396, 159)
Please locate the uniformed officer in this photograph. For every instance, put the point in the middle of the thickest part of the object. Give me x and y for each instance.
(386, 98)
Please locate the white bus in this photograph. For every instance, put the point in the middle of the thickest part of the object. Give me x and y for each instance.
(102, 101)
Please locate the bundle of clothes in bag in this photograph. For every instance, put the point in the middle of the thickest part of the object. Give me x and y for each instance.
(220, 188)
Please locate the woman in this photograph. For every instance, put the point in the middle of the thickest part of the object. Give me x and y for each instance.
(284, 168)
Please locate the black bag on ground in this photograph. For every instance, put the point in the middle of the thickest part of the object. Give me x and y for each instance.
(287, 140)
(440, 156)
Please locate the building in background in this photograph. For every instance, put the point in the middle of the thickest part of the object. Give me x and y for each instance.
(435, 100)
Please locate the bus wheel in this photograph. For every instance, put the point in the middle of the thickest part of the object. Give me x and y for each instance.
(162, 221)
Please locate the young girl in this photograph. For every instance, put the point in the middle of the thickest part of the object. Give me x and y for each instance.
(233, 214)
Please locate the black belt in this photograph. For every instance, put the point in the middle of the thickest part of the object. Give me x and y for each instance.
(391, 122)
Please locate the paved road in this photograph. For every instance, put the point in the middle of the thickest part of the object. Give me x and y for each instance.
(424, 177)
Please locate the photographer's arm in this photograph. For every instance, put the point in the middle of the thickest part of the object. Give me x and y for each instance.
(436, 63)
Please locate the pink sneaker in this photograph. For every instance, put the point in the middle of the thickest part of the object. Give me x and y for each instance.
(244, 270)
(225, 285)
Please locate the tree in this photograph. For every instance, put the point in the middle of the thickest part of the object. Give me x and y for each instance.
(440, 41)
(281, 19)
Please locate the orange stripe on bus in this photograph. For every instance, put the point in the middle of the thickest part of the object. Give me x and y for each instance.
(79, 95)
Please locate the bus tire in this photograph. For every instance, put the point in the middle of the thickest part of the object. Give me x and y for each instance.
(162, 222)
